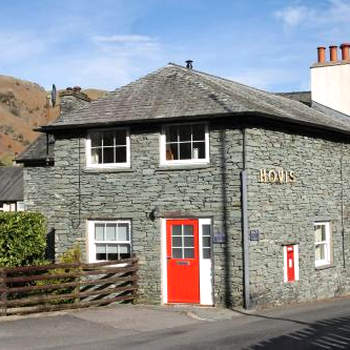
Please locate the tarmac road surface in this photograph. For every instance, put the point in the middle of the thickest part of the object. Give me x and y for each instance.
(321, 325)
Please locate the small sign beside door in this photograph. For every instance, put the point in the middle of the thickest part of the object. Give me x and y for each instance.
(254, 235)
(219, 237)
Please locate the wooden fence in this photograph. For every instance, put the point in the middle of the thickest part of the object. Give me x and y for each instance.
(54, 287)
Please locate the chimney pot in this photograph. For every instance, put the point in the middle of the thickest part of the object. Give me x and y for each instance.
(345, 51)
(333, 53)
(189, 64)
(321, 54)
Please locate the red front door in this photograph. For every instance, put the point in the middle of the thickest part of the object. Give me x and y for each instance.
(182, 261)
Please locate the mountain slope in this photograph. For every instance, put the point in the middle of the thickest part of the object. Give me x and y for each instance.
(23, 106)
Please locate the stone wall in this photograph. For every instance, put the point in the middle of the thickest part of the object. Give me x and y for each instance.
(285, 213)
(69, 195)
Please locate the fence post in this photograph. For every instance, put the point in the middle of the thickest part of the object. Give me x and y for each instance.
(77, 287)
(3, 286)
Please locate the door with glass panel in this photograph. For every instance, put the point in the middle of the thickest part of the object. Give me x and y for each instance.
(182, 261)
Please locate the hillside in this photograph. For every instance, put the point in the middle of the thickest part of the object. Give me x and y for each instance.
(23, 106)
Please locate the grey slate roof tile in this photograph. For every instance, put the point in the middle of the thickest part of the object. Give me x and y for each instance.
(11, 184)
(177, 92)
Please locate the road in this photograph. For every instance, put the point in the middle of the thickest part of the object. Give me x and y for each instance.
(321, 325)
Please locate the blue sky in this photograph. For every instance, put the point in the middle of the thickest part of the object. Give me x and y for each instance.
(269, 44)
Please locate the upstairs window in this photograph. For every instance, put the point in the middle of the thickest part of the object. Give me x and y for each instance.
(108, 148)
(322, 243)
(185, 144)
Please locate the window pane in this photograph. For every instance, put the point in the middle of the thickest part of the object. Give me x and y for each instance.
(185, 133)
(206, 241)
(206, 253)
(320, 233)
(112, 251)
(176, 230)
(108, 137)
(96, 155)
(206, 230)
(189, 252)
(177, 241)
(188, 242)
(121, 154)
(188, 230)
(96, 139)
(185, 150)
(108, 155)
(198, 150)
(101, 252)
(320, 252)
(172, 151)
(120, 136)
(177, 253)
(110, 232)
(123, 232)
(99, 232)
(171, 134)
(124, 251)
(198, 132)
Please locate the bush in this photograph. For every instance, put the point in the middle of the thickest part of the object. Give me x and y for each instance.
(22, 238)
(71, 256)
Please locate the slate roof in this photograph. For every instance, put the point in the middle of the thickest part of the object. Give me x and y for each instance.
(11, 184)
(36, 151)
(301, 96)
(174, 92)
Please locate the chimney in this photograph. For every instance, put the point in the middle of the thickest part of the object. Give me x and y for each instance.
(330, 80)
(345, 51)
(71, 99)
(321, 54)
(333, 54)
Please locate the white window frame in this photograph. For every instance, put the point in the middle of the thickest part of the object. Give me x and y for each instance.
(165, 162)
(89, 163)
(326, 242)
(91, 242)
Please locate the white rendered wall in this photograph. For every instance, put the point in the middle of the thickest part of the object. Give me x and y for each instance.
(330, 86)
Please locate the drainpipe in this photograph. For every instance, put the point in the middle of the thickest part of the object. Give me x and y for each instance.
(246, 280)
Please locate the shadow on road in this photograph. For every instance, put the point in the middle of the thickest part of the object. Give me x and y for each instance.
(326, 334)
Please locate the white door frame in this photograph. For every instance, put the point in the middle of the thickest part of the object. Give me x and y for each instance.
(205, 266)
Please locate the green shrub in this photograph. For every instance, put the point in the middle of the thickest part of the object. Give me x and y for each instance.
(71, 256)
(22, 238)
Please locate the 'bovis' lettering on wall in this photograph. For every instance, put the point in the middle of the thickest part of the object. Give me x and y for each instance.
(276, 176)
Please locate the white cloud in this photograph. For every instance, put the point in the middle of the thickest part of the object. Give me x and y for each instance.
(123, 39)
(292, 16)
(337, 12)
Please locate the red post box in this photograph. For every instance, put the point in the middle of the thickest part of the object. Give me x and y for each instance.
(291, 263)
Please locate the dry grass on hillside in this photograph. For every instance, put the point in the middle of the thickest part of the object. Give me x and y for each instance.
(23, 106)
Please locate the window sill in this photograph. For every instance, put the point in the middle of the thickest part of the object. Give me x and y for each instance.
(107, 170)
(324, 267)
(183, 167)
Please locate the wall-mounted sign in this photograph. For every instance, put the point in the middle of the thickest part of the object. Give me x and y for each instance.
(254, 235)
(219, 237)
(277, 176)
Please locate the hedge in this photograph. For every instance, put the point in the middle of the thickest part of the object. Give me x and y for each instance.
(22, 238)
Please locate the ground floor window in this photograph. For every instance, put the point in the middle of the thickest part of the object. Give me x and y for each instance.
(109, 240)
(322, 243)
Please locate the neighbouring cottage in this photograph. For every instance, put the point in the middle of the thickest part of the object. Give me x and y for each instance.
(228, 195)
(11, 189)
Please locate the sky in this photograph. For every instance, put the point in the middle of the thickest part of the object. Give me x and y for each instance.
(104, 44)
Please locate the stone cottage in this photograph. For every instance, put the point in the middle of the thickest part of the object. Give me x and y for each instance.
(228, 195)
